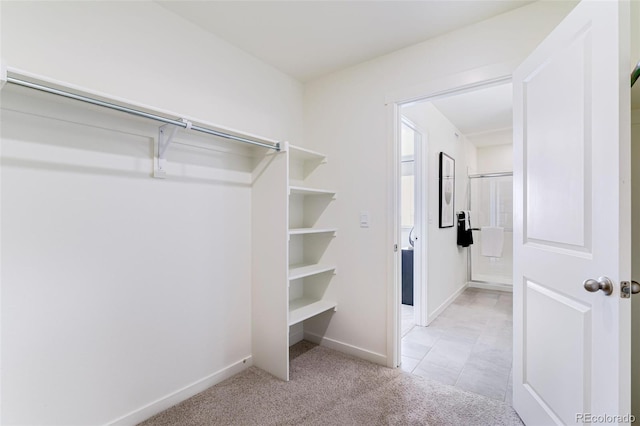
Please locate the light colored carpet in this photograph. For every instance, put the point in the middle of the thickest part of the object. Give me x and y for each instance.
(330, 388)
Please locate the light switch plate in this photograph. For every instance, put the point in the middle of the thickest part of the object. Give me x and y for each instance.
(364, 219)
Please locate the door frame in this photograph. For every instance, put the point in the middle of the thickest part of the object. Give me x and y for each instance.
(467, 81)
(420, 169)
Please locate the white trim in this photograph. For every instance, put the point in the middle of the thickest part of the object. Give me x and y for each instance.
(394, 259)
(491, 286)
(147, 411)
(2, 70)
(346, 348)
(421, 219)
(460, 82)
(445, 304)
(421, 224)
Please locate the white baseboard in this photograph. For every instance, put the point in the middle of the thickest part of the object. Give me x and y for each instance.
(492, 286)
(346, 348)
(296, 336)
(433, 315)
(155, 407)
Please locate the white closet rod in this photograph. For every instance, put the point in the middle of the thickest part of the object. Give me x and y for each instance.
(139, 113)
(490, 175)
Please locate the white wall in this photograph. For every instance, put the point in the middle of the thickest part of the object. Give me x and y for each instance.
(495, 158)
(446, 262)
(492, 137)
(346, 117)
(142, 52)
(119, 289)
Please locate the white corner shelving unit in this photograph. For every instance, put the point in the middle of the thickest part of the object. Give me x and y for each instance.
(309, 273)
(291, 271)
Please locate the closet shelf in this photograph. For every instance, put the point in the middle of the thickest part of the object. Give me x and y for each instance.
(302, 309)
(304, 231)
(302, 154)
(299, 190)
(301, 271)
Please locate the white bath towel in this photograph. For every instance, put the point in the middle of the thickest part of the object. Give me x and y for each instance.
(492, 241)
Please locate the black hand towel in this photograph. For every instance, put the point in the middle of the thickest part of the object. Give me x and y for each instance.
(465, 237)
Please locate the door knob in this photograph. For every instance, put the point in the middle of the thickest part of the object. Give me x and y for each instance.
(412, 239)
(627, 288)
(603, 283)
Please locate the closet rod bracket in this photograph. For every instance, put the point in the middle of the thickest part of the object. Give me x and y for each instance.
(166, 133)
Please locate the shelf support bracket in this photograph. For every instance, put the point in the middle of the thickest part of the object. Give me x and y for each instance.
(166, 133)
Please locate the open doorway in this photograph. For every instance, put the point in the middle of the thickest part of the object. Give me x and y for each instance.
(466, 337)
(412, 168)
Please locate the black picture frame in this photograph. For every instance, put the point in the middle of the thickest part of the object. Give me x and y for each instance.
(447, 186)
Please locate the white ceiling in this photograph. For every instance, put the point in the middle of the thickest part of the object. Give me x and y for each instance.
(306, 39)
(480, 112)
(484, 116)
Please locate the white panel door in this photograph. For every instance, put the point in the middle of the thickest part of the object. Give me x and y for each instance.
(572, 220)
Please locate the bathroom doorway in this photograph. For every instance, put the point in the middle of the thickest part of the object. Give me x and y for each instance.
(466, 340)
(413, 232)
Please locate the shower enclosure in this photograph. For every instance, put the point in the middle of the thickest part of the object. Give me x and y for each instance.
(491, 205)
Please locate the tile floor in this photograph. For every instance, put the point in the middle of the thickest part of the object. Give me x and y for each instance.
(469, 345)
